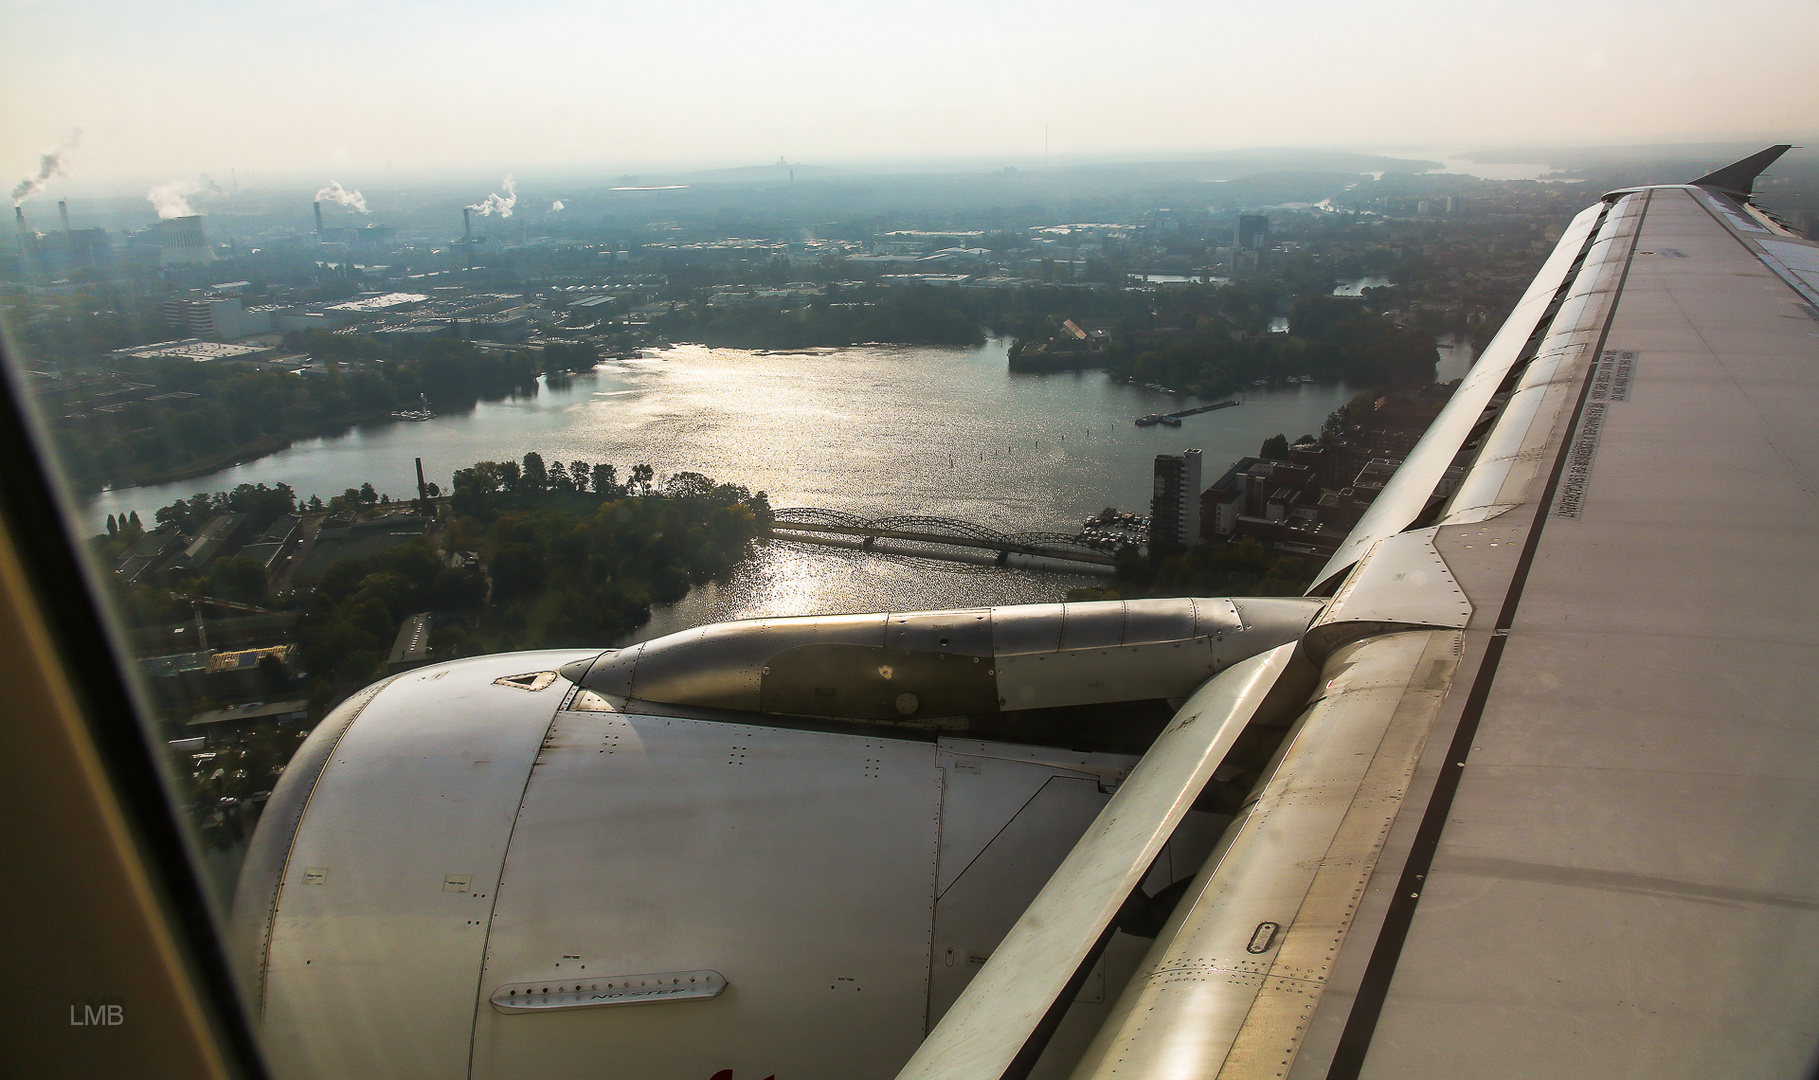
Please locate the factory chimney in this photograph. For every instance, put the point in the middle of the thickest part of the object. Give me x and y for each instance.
(318, 218)
(422, 489)
(467, 224)
(27, 251)
(63, 209)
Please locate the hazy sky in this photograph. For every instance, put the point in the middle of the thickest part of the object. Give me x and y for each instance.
(343, 89)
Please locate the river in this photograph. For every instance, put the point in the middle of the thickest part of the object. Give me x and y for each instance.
(872, 430)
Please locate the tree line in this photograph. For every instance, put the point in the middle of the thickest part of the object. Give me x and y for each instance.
(1329, 338)
(533, 554)
(228, 412)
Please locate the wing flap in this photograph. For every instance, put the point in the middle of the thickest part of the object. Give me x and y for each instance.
(995, 1021)
(1235, 975)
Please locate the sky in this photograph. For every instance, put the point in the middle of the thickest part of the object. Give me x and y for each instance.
(374, 90)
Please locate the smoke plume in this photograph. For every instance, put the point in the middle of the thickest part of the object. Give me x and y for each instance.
(555, 206)
(334, 192)
(171, 198)
(497, 203)
(54, 163)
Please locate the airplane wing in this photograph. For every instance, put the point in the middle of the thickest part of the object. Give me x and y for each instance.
(1551, 809)
(1605, 864)
(1528, 786)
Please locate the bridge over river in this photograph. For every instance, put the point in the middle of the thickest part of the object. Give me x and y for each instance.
(933, 537)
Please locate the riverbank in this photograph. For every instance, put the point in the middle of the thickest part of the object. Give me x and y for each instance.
(159, 419)
(207, 466)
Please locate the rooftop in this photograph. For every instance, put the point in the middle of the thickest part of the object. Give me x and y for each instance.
(194, 349)
(382, 302)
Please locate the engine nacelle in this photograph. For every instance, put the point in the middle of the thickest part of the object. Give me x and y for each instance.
(482, 869)
(929, 665)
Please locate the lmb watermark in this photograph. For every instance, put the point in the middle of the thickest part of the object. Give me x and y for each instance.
(103, 1015)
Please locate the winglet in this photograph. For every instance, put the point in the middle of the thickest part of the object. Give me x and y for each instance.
(1739, 177)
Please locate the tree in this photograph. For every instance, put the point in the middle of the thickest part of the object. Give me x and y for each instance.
(1275, 448)
(606, 479)
(576, 357)
(517, 571)
(473, 496)
(273, 673)
(578, 474)
(535, 477)
(237, 578)
(188, 515)
(558, 477)
(113, 527)
(688, 485)
(641, 478)
(262, 505)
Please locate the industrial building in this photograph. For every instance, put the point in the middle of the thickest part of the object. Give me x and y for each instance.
(192, 349)
(215, 317)
(59, 252)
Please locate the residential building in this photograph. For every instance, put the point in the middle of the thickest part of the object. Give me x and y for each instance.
(1175, 501)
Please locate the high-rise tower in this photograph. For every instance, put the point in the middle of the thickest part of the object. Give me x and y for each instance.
(1175, 502)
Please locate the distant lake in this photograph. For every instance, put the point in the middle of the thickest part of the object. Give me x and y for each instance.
(873, 430)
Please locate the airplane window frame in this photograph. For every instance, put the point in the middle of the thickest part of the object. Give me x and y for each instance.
(70, 599)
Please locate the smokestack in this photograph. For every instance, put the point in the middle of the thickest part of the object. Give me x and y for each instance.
(27, 252)
(422, 488)
(63, 209)
(318, 218)
(467, 224)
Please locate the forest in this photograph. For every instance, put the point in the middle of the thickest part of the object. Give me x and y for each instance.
(208, 416)
(1215, 350)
